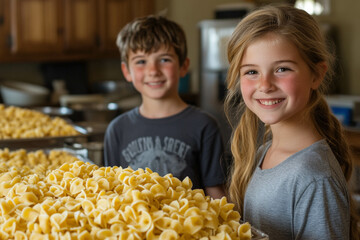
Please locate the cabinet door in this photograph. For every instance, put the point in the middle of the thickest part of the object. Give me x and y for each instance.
(114, 14)
(35, 26)
(80, 25)
(142, 8)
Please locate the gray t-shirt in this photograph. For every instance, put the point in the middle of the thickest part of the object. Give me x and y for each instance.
(186, 144)
(304, 197)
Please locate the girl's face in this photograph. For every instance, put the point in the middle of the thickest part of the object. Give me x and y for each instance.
(155, 75)
(275, 80)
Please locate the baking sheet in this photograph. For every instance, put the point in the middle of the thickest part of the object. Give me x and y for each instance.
(43, 142)
(258, 235)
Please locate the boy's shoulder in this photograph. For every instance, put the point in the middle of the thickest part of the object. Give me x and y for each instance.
(197, 114)
(124, 116)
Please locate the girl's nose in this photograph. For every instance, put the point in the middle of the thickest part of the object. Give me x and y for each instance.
(266, 84)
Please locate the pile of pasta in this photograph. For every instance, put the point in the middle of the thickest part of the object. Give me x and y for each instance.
(19, 122)
(84, 201)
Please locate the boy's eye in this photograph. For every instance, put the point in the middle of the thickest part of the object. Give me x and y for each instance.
(165, 60)
(140, 62)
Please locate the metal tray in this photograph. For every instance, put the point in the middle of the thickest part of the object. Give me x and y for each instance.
(258, 235)
(70, 151)
(44, 142)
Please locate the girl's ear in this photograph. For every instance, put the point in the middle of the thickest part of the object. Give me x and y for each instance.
(184, 68)
(320, 75)
(126, 72)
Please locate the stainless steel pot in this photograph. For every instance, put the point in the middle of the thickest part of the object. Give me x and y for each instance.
(96, 112)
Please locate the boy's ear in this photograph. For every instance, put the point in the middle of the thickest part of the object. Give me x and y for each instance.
(126, 72)
(184, 67)
(319, 77)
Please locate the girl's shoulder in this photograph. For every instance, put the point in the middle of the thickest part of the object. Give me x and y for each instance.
(317, 162)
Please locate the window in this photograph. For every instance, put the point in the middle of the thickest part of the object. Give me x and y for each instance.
(314, 7)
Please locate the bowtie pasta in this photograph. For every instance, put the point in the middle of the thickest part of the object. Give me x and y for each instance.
(19, 122)
(83, 201)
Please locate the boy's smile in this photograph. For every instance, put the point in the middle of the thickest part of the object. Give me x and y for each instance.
(156, 74)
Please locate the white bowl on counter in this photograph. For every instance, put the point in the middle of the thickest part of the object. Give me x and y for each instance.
(23, 94)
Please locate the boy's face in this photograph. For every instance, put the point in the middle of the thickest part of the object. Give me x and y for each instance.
(155, 75)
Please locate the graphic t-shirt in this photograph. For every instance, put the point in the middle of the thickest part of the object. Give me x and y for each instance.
(186, 144)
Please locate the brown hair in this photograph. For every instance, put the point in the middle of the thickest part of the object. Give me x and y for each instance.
(149, 34)
(302, 30)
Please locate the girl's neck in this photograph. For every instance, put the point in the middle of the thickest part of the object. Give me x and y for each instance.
(161, 109)
(287, 139)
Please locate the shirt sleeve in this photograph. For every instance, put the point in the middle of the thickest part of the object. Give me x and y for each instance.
(322, 212)
(110, 148)
(212, 165)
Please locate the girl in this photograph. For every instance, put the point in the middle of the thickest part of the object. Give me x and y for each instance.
(295, 185)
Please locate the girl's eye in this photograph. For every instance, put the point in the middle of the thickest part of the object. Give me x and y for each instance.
(250, 72)
(282, 69)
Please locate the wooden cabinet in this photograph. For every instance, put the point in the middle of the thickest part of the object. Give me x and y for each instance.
(142, 8)
(114, 14)
(80, 30)
(41, 30)
(35, 26)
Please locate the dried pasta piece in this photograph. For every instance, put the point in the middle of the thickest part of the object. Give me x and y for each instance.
(145, 221)
(169, 234)
(104, 234)
(84, 235)
(244, 231)
(92, 185)
(7, 206)
(193, 224)
(29, 198)
(76, 186)
(88, 206)
(19, 235)
(9, 226)
(29, 214)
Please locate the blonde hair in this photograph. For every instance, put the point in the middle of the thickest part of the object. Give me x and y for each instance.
(149, 34)
(302, 30)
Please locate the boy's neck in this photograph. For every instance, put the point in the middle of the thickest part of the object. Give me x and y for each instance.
(161, 109)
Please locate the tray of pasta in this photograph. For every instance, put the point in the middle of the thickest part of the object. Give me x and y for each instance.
(79, 135)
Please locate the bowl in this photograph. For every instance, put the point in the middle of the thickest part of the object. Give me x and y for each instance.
(23, 94)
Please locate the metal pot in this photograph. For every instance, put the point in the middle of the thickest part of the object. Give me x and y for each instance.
(96, 112)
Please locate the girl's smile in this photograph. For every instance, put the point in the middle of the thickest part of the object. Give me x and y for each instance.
(270, 102)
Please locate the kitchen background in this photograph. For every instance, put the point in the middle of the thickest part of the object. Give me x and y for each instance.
(343, 17)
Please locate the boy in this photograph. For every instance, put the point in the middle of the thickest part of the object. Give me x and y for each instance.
(163, 133)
